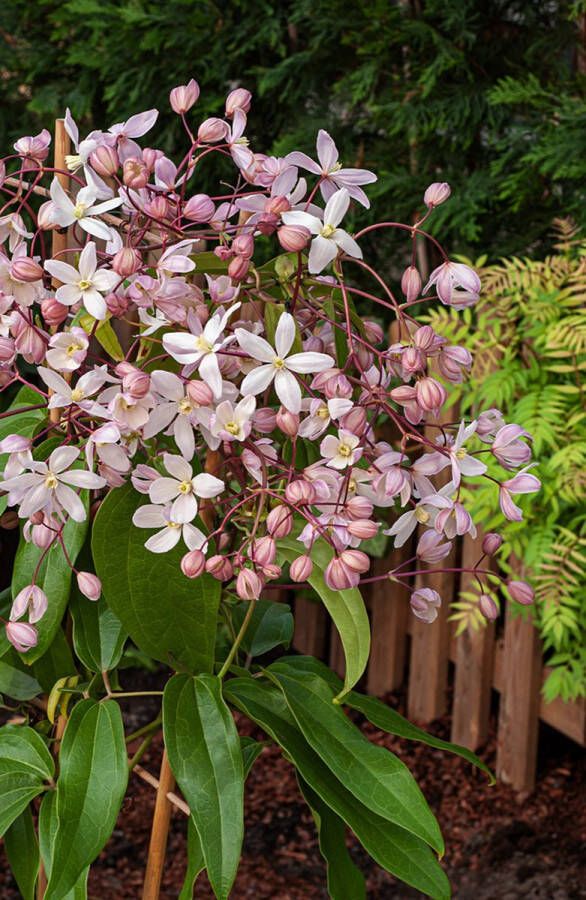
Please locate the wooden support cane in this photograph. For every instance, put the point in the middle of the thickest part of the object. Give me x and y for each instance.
(159, 833)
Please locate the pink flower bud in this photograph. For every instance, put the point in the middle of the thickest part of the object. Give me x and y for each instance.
(280, 522)
(135, 174)
(150, 157)
(354, 421)
(21, 635)
(158, 208)
(373, 332)
(363, 529)
(7, 351)
(193, 564)
(136, 383)
(293, 238)
(263, 551)
(404, 394)
(491, 543)
(411, 284)
(199, 208)
(117, 304)
(238, 268)
(412, 360)
(488, 607)
(265, 420)
(436, 193)
(104, 160)
(288, 422)
(359, 508)
(126, 262)
(243, 245)
(32, 344)
(356, 560)
(425, 603)
(271, 571)
(53, 312)
(300, 492)
(46, 216)
(431, 548)
(267, 223)
(220, 567)
(301, 568)
(213, 130)
(338, 386)
(26, 269)
(89, 585)
(339, 576)
(32, 600)
(238, 99)
(521, 592)
(424, 338)
(277, 205)
(431, 395)
(199, 393)
(184, 96)
(248, 585)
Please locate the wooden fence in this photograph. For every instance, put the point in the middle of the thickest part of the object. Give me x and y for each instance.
(507, 660)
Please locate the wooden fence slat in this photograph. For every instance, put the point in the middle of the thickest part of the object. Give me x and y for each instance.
(337, 658)
(389, 605)
(309, 637)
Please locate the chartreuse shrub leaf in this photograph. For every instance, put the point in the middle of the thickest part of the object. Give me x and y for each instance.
(345, 880)
(346, 608)
(90, 789)
(25, 764)
(373, 774)
(168, 616)
(22, 850)
(206, 759)
(381, 715)
(395, 849)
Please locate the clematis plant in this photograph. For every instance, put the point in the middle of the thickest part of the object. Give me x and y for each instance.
(215, 370)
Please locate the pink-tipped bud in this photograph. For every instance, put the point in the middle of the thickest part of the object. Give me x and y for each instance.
(373, 332)
(363, 529)
(21, 635)
(265, 420)
(238, 99)
(248, 585)
(431, 395)
(437, 193)
(412, 360)
(193, 564)
(354, 421)
(424, 338)
(301, 569)
(199, 393)
(150, 157)
(280, 522)
(491, 543)
(184, 96)
(488, 607)
(26, 269)
(287, 421)
(7, 351)
(271, 571)
(267, 223)
(338, 386)
(300, 492)
(339, 576)
(126, 261)
(263, 551)
(136, 383)
(89, 585)
(46, 216)
(158, 208)
(213, 130)
(243, 245)
(135, 174)
(117, 304)
(54, 312)
(293, 238)
(238, 268)
(220, 567)
(199, 208)
(356, 560)
(425, 603)
(411, 284)
(359, 508)
(521, 592)
(104, 160)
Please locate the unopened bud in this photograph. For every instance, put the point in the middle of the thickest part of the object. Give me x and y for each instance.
(238, 268)
(287, 421)
(243, 245)
(300, 492)
(248, 585)
(117, 304)
(26, 269)
(354, 421)
(199, 208)
(356, 560)
(280, 522)
(199, 393)
(437, 193)
(301, 569)
(54, 312)
(265, 420)
(126, 262)
(89, 585)
(359, 508)
(293, 238)
(135, 174)
(521, 592)
(263, 551)
(193, 564)
(411, 284)
(424, 338)
(21, 635)
(220, 567)
(339, 576)
(491, 543)
(7, 351)
(104, 160)
(238, 99)
(488, 607)
(431, 395)
(213, 130)
(184, 96)
(363, 529)
(46, 216)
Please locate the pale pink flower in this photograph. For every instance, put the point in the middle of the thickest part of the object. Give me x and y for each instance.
(321, 414)
(135, 126)
(105, 443)
(329, 238)
(341, 451)
(64, 394)
(456, 455)
(177, 411)
(34, 149)
(12, 228)
(233, 423)
(170, 530)
(456, 284)
(431, 548)
(425, 604)
(522, 483)
(86, 283)
(32, 600)
(67, 350)
(508, 447)
(331, 172)
(65, 212)
(181, 488)
(237, 143)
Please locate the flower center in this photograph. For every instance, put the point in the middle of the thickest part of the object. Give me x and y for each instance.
(327, 231)
(203, 345)
(352, 486)
(73, 348)
(173, 525)
(344, 450)
(51, 482)
(79, 210)
(278, 362)
(460, 454)
(232, 428)
(186, 487)
(73, 162)
(76, 395)
(84, 284)
(323, 412)
(184, 406)
(421, 516)
(336, 167)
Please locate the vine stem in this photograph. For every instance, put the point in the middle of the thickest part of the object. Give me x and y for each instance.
(230, 658)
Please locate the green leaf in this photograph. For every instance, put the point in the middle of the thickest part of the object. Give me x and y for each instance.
(54, 578)
(205, 756)
(251, 750)
(47, 829)
(21, 747)
(16, 684)
(25, 423)
(98, 635)
(373, 774)
(345, 880)
(195, 861)
(56, 662)
(395, 849)
(91, 786)
(105, 335)
(271, 625)
(345, 607)
(166, 614)
(16, 792)
(22, 850)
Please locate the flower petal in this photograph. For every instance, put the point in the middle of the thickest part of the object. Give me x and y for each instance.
(258, 380)
(255, 346)
(288, 391)
(284, 334)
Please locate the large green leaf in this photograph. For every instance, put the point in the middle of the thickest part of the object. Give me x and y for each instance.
(25, 423)
(346, 608)
(206, 759)
(17, 789)
(48, 823)
(91, 786)
(166, 614)
(395, 849)
(98, 635)
(345, 880)
(373, 774)
(21, 747)
(54, 578)
(16, 684)
(22, 850)
(271, 624)
(195, 861)
(383, 716)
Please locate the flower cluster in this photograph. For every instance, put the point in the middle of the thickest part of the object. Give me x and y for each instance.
(244, 400)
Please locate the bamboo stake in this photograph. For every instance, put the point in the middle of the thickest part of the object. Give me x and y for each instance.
(159, 833)
(61, 148)
(176, 801)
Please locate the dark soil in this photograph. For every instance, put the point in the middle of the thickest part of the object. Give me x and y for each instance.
(500, 846)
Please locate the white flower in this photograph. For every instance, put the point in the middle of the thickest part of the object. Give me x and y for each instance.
(341, 451)
(182, 488)
(105, 440)
(277, 365)
(68, 349)
(65, 212)
(321, 414)
(87, 283)
(233, 423)
(13, 228)
(46, 486)
(329, 238)
(200, 347)
(151, 516)
(66, 395)
(176, 259)
(457, 456)
(177, 411)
